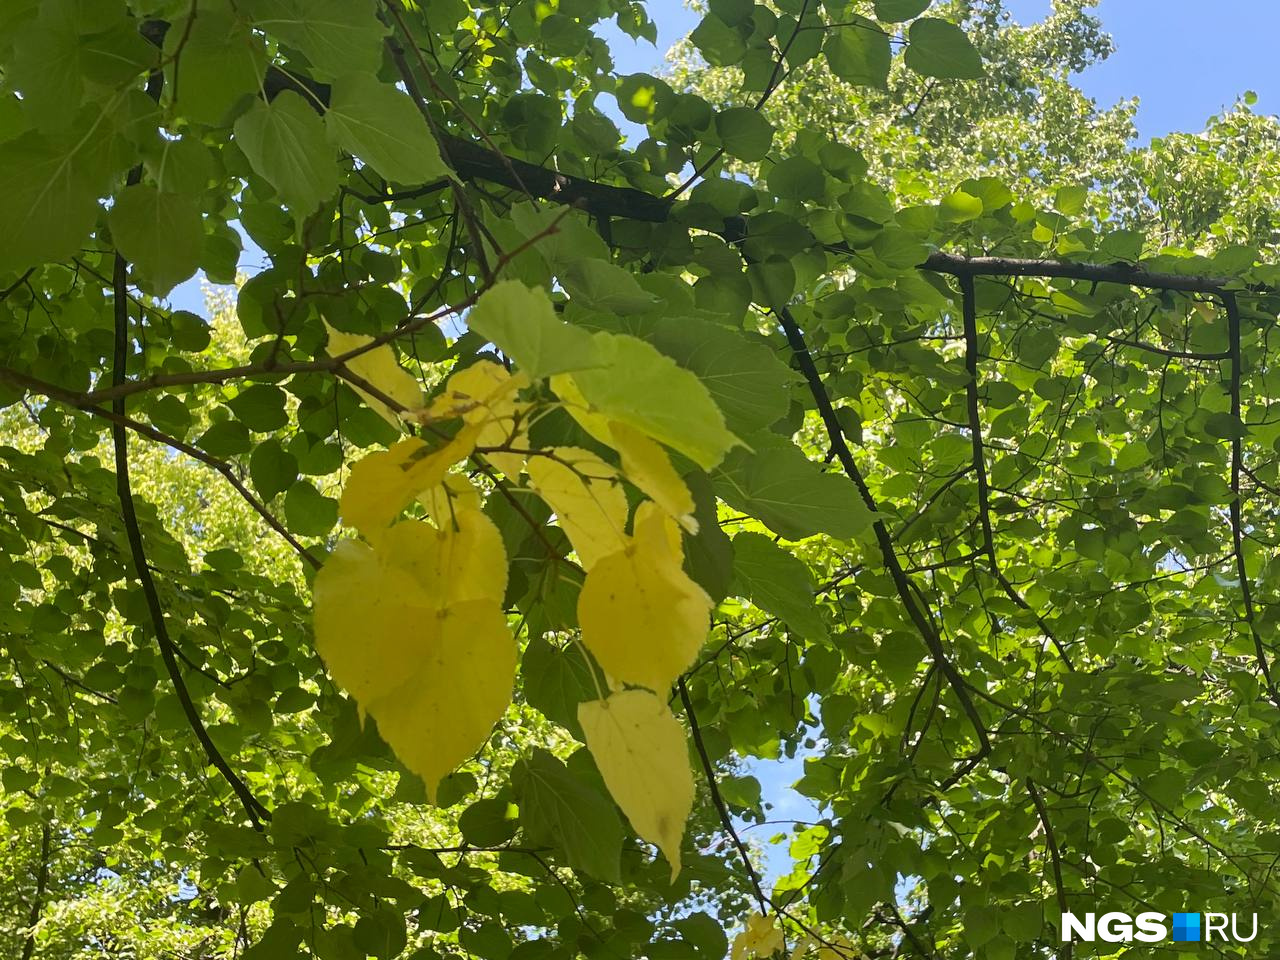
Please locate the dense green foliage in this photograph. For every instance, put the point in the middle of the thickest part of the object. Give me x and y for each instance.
(990, 547)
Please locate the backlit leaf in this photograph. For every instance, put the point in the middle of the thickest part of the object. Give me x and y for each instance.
(285, 143)
(160, 233)
(382, 370)
(642, 617)
(587, 497)
(641, 751)
(380, 125)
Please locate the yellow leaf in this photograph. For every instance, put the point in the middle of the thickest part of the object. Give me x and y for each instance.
(480, 393)
(761, 938)
(596, 425)
(641, 615)
(383, 483)
(647, 465)
(364, 606)
(587, 497)
(640, 750)
(453, 691)
(413, 629)
(380, 368)
(485, 394)
(644, 461)
(454, 493)
(463, 560)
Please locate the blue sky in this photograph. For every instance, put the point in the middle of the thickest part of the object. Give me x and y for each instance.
(1185, 59)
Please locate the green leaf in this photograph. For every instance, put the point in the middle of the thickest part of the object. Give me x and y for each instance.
(219, 63)
(708, 554)
(789, 493)
(796, 178)
(643, 98)
(896, 11)
(260, 407)
(744, 375)
(557, 807)
(960, 207)
(556, 680)
(47, 68)
(604, 286)
(338, 36)
(488, 822)
(937, 48)
(778, 582)
(380, 125)
(49, 202)
(272, 469)
(1224, 426)
(643, 388)
(744, 133)
(859, 53)
(520, 322)
(161, 234)
(721, 44)
(308, 512)
(285, 143)
(1069, 201)
(225, 439)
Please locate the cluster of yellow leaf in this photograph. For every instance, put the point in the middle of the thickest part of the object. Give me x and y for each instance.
(410, 621)
(762, 937)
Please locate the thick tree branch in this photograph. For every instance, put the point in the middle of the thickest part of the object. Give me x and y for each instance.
(476, 161)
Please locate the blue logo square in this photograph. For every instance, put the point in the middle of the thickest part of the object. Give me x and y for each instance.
(1186, 926)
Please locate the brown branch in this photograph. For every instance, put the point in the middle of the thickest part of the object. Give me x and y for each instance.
(726, 818)
(1237, 524)
(478, 161)
(133, 531)
(1123, 273)
(84, 403)
(970, 314)
(42, 885)
(1055, 856)
(932, 641)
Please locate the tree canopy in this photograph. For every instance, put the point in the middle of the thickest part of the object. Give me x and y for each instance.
(451, 586)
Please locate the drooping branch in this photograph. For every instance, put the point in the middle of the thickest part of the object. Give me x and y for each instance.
(253, 807)
(979, 464)
(1237, 524)
(1055, 855)
(888, 552)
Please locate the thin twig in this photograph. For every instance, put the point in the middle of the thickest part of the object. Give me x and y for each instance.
(726, 818)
